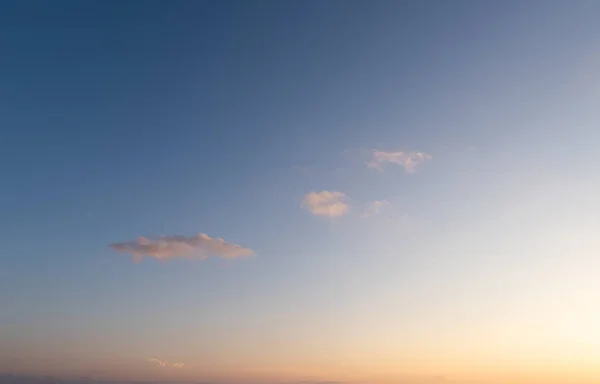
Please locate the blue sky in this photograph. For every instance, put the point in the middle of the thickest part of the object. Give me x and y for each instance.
(128, 119)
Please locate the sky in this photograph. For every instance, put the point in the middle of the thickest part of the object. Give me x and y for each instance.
(300, 191)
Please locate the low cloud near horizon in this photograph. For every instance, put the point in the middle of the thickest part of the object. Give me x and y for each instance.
(198, 247)
(326, 203)
(408, 160)
(165, 364)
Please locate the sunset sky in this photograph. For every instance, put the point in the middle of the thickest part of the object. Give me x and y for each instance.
(301, 191)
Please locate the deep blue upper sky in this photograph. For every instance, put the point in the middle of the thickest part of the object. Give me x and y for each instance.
(121, 119)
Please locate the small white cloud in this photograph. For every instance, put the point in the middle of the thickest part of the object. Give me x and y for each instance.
(198, 246)
(326, 203)
(165, 364)
(375, 208)
(408, 160)
(158, 362)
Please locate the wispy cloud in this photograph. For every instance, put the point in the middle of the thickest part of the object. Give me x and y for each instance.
(408, 160)
(158, 362)
(375, 208)
(165, 364)
(198, 246)
(326, 203)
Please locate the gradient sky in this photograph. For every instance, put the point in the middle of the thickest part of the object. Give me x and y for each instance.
(413, 186)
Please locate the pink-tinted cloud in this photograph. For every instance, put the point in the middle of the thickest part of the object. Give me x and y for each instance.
(165, 364)
(375, 208)
(198, 246)
(325, 203)
(158, 362)
(408, 160)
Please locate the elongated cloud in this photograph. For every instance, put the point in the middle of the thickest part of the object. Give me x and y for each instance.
(158, 362)
(375, 208)
(408, 160)
(325, 203)
(198, 246)
(165, 364)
